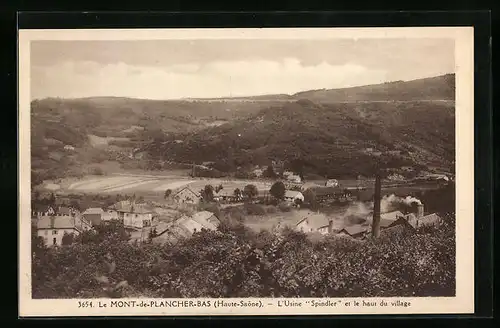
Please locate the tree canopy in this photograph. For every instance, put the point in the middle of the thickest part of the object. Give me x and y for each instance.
(278, 190)
(250, 191)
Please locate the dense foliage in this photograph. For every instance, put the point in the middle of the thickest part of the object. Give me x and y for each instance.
(278, 190)
(236, 262)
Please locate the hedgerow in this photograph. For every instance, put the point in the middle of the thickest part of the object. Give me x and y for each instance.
(236, 262)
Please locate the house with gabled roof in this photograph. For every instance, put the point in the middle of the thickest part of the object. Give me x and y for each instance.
(292, 196)
(207, 219)
(53, 228)
(355, 231)
(134, 215)
(315, 222)
(67, 211)
(187, 196)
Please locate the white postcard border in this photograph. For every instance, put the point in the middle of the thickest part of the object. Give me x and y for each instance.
(462, 303)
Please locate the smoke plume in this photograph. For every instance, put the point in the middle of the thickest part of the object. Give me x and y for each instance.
(356, 213)
(392, 202)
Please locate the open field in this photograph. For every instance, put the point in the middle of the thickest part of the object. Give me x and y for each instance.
(135, 183)
(153, 186)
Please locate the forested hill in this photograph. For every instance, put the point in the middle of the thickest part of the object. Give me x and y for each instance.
(330, 129)
(331, 139)
(429, 89)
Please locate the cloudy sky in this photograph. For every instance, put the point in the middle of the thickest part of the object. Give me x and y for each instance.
(174, 69)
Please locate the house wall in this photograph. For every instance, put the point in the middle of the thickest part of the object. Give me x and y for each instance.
(110, 215)
(323, 230)
(95, 219)
(304, 226)
(186, 196)
(136, 219)
(48, 235)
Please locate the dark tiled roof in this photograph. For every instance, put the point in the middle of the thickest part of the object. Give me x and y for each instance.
(59, 222)
(63, 210)
(40, 208)
(356, 229)
(428, 219)
(384, 223)
(128, 207)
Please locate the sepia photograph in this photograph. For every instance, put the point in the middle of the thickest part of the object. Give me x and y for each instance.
(246, 166)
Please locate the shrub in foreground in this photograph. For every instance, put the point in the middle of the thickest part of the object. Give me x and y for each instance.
(237, 262)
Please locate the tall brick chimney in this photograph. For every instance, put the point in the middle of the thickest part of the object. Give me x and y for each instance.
(376, 207)
(420, 210)
(330, 226)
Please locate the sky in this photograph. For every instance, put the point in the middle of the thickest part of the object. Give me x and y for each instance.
(173, 69)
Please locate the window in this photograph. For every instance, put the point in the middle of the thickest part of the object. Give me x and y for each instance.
(54, 232)
(136, 215)
(46, 232)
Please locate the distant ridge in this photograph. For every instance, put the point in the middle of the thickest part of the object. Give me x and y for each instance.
(432, 88)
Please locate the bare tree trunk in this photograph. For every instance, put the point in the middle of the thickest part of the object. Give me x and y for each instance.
(376, 207)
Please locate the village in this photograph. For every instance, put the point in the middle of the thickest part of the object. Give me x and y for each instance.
(179, 215)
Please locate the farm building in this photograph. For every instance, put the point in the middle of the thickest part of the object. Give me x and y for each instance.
(292, 196)
(93, 215)
(53, 228)
(315, 223)
(187, 196)
(69, 148)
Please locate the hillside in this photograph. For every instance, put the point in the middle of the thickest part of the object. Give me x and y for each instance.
(330, 139)
(428, 89)
(329, 130)
(440, 88)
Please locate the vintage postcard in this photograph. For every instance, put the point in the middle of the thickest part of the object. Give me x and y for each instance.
(246, 171)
